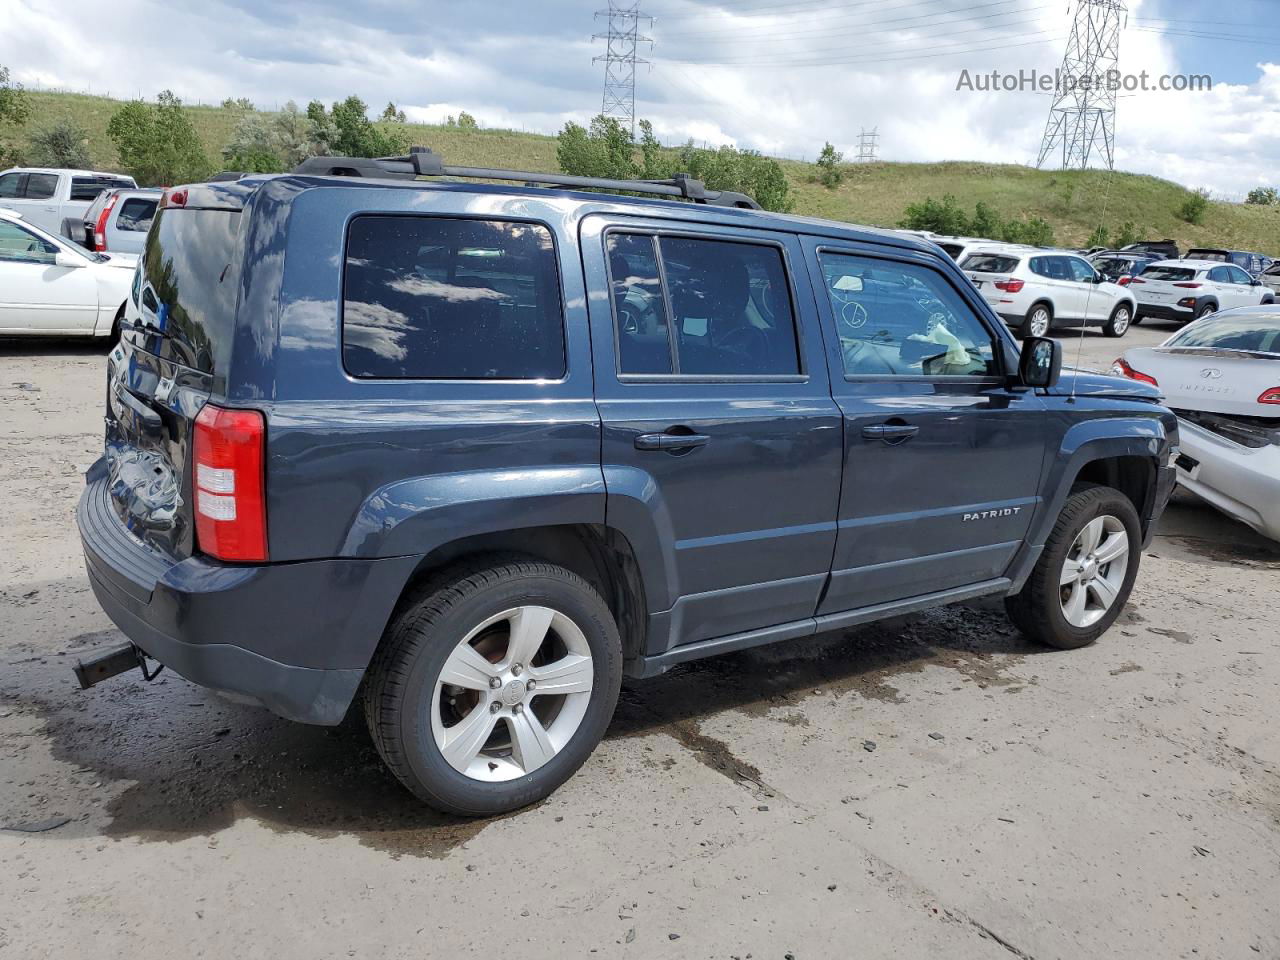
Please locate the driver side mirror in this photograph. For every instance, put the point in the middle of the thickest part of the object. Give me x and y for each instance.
(64, 259)
(1040, 364)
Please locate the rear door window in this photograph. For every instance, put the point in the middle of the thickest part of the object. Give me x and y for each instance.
(41, 186)
(436, 298)
(11, 185)
(639, 308)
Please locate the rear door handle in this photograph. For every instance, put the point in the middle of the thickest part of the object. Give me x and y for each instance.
(890, 432)
(670, 441)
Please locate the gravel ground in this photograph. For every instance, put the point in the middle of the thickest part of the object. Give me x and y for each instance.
(930, 786)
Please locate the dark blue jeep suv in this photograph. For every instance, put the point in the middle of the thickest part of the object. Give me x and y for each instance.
(471, 453)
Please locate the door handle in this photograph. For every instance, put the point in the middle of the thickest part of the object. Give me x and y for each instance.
(890, 432)
(671, 442)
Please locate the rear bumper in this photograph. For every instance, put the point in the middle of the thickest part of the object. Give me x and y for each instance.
(1165, 311)
(295, 638)
(1242, 482)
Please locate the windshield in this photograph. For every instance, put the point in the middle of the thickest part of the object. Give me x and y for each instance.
(1252, 332)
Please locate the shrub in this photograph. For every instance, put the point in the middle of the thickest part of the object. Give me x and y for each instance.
(1263, 196)
(937, 216)
(1194, 207)
(829, 172)
(157, 143)
(467, 122)
(64, 143)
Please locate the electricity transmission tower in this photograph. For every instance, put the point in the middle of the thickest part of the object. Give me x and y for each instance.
(1082, 120)
(621, 41)
(867, 145)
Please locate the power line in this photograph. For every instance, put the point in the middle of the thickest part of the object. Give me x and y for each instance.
(1082, 118)
(936, 52)
(622, 38)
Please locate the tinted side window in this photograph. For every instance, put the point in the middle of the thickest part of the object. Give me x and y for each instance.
(644, 340)
(1040, 266)
(1220, 275)
(1057, 268)
(731, 304)
(1239, 276)
(901, 319)
(136, 214)
(1081, 271)
(41, 186)
(443, 299)
(10, 185)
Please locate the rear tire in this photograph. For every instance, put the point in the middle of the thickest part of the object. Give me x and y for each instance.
(1120, 320)
(1207, 309)
(1039, 320)
(488, 743)
(1078, 586)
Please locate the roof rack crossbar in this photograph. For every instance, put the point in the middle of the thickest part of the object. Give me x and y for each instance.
(421, 162)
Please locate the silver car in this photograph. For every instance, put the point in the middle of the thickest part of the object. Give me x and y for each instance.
(1221, 376)
(118, 220)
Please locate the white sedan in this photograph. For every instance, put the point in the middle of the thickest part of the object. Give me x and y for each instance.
(52, 287)
(1221, 376)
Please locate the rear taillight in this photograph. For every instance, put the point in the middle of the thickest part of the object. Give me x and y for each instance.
(173, 198)
(1137, 280)
(1188, 286)
(230, 495)
(1009, 286)
(1122, 369)
(100, 228)
(1125, 281)
(1269, 395)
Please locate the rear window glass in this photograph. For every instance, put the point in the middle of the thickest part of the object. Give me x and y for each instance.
(446, 299)
(952, 250)
(88, 188)
(1219, 255)
(989, 263)
(190, 278)
(135, 215)
(1173, 274)
(1257, 333)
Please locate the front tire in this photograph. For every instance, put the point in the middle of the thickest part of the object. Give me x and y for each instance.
(1118, 324)
(1085, 573)
(493, 685)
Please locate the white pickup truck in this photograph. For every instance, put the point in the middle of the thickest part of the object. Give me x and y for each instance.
(55, 199)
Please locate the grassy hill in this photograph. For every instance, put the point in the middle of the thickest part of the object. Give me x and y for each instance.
(1072, 201)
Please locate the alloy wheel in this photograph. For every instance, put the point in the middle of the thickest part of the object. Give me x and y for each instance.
(1038, 325)
(512, 693)
(1093, 572)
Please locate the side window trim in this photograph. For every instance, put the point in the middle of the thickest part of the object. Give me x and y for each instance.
(997, 341)
(657, 233)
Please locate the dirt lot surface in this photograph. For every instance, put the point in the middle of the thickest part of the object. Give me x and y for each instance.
(928, 787)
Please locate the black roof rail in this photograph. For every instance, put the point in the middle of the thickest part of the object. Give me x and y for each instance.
(226, 175)
(421, 162)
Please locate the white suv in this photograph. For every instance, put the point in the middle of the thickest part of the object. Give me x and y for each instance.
(1185, 290)
(1034, 290)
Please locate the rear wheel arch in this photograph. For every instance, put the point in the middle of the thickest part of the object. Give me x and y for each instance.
(603, 556)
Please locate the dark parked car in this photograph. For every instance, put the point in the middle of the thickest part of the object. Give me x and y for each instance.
(1251, 263)
(472, 453)
(1159, 249)
(1121, 267)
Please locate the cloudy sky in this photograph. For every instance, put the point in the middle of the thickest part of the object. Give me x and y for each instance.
(776, 75)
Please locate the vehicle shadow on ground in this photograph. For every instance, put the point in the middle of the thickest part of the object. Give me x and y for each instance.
(198, 763)
(53, 347)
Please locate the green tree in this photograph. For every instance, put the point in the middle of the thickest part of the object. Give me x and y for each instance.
(292, 138)
(467, 122)
(829, 160)
(239, 104)
(1099, 237)
(345, 130)
(604, 150)
(986, 223)
(15, 109)
(252, 148)
(1194, 207)
(391, 115)
(1263, 196)
(1035, 232)
(64, 143)
(943, 216)
(157, 142)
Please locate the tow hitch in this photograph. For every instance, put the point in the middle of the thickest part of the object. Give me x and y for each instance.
(107, 665)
